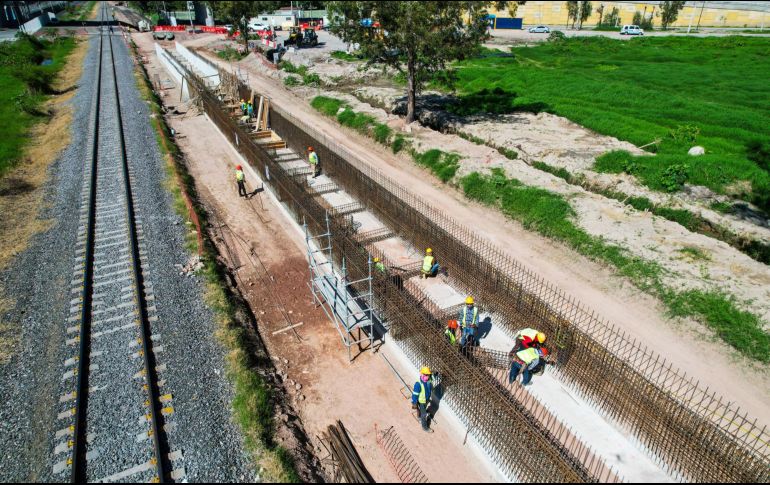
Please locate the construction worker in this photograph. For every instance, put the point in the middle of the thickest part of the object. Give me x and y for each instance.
(379, 266)
(243, 107)
(241, 182)
(469, 320)
(421, 394)
(529, 337)
(524, 361)
(450, 332)
(250, 110)
(312, 158)
(429, 264)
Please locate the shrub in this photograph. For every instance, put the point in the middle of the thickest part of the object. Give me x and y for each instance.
(508, 153)
(556, 36)
(289, 67)
(443, 165)
(674, 177)
(684, 133)
(344, 56)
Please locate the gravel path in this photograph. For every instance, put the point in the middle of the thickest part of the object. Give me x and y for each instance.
(202, 429)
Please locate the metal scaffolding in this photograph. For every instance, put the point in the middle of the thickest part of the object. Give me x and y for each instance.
(351, 311)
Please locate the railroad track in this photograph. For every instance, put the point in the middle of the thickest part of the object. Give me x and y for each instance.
(115, 415)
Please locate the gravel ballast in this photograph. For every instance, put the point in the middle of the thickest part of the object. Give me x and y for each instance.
(201, 428)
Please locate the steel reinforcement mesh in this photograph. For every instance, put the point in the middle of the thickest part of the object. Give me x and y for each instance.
(512, 431)
(691, 430)
(694, 432)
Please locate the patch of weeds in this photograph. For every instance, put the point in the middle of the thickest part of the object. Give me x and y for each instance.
(681, 216)
(722, 207)
(560, 172)
(289, 67)
(444, 165)
(381, 133)
(508, 153)
(311, 80)
(326, 105)
(640, 203)
(740, 329)
(551, 215)
(344, 56)
(399, 143)
(291, 81)
(471, 138)
(695, 253)
(230, 54)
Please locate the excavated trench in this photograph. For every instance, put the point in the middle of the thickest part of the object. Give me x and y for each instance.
(692, 432)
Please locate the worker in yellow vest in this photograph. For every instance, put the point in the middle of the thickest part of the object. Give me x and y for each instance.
(529, 337)
(379, 266)
(525, 361)
(450, 332)
(243, 107)
(312, 158)
(469, 320)
(241, 181)
(421, 394)
(429, 264)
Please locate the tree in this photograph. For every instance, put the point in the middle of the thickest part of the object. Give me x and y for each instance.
(612, 17)
(578, 12)
(669, 11)
(600, 13)
(513, 7)
(416, 37)
(239, 13)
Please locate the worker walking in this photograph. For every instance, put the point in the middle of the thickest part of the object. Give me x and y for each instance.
(243, 107)
(429, 264)
(524, 361)
(421, 394)
(312, 158)
(469, 320)
(529, 337)
(241, 182)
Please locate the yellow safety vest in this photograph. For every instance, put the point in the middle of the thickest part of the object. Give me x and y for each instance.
(239, 175)
(527, 332)
(313, 158)
(379, 267)
(450, 335)
(427, 264)
(422, 399)
(528, 355)
(475, 317)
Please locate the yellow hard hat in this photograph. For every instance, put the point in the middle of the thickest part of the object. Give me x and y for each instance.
(425, 371)
(376, 260)
(429, 250)
(540, 337)
(469, 300)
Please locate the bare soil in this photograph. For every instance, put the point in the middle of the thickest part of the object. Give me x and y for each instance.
(636, 313)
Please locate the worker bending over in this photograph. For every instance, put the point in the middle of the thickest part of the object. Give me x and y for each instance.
(525, 361)
(527, 338)
(312, 158)
(421, 394)
(239, 178)
(429, 264)
(469, 320)
(379, 266)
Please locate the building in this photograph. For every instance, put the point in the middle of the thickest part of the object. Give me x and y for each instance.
(752, 15)
(287, 17)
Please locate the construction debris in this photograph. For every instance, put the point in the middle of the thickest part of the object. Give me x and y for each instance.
(345, 462)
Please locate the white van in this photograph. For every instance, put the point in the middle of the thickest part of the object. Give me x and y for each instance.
(631, 30)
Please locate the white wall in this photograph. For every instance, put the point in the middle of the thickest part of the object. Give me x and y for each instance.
(173, 68)
(210, 74)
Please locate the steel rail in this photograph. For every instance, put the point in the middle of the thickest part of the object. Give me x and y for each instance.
(79, 442)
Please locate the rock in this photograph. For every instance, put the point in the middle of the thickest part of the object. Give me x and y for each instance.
(301, 397)
(298, 386)
(696, 151)
(285, 361)
(285, 418)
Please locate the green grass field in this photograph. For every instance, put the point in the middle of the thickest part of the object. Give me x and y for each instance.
(682, 91)
(24, 85)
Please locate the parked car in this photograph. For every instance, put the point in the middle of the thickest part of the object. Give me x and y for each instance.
(257, 27)
(230, 28)
(540, 29)
(631, 30)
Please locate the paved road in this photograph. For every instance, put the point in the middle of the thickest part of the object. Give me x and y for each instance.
(6, 35)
